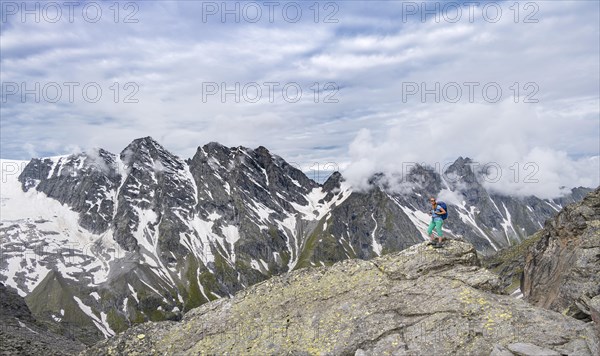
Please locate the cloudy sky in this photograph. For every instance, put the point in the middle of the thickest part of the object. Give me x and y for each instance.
(362, 86)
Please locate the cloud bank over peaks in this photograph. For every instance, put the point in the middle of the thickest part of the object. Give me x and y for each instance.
(515, 150)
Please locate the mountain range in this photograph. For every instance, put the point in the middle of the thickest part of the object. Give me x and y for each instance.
(97, 242)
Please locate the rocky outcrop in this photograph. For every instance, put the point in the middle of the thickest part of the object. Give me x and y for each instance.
(562, 269)
(20, 334)
(421, 301)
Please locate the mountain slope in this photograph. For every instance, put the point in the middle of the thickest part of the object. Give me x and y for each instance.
(145, 235)
(21, 334)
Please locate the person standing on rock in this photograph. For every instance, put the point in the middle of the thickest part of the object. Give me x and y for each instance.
(436, 222)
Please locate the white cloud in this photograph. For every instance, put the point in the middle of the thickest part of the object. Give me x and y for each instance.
(523, 147)
(450, 197)
(369, 53)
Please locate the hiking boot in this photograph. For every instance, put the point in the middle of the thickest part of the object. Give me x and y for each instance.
(431, 243)
(438, 245)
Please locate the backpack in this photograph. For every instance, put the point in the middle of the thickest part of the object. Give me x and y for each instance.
(443, 205)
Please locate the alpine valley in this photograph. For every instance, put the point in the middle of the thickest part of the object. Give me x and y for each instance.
(97, 242)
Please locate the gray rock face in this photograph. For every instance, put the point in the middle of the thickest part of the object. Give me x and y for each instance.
(155, 181)
(13, 306)
(420, 301)
(562, 269)
(527, 349)
(365, 225)
(146, 235)
(84, 182)
(594, 306)
(256, 192)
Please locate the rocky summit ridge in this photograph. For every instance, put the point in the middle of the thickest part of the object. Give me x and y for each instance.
(421, 301)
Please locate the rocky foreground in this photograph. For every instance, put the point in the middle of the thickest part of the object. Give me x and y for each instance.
(421, 301)
(22, 334)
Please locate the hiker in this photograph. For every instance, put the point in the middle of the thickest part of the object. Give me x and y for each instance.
(437, 213)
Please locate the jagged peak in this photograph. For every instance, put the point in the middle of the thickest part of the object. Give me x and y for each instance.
(377, 178)
(213, 150)
(418, 173)
(148, 150)
(214, 145)
(333, 182)
(263, 156)
(217, 148)
(147, 141)
(262, 150)
(462, 167)
(141, 144)
(463, 161)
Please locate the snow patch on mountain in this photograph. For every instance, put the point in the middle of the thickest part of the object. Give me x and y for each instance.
(507, 223)
(232, 235)
(101, 323)
(293, 245)
(317, 206)
(376, 245)
(418, 218)
(468, 216)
